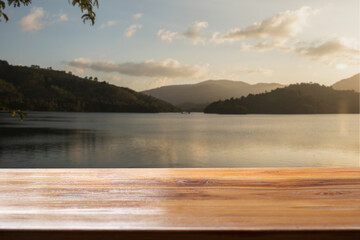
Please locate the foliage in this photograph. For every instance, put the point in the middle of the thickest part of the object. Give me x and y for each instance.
(86, 7)
(301, 98)
(14, 112)
(50, 90)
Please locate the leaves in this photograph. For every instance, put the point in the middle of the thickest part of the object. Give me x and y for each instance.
(86, 7)
(17, 3)
(3, 15)
(14, 112)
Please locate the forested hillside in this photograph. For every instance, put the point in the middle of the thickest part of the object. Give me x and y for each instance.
(34, 88)
(301, 98)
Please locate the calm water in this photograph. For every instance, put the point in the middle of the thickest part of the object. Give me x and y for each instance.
(174, 140)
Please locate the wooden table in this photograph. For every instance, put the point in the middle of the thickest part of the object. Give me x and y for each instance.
(301, 203)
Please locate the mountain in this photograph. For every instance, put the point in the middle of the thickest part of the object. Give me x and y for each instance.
(301, 98)
(34, 88)
(351, 83)
(195, 97)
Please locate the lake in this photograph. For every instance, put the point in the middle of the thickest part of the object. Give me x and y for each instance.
(174, 140)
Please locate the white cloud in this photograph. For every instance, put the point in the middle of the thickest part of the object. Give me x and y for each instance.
(272, 32)
(108, 24)
(167, 35)
(333, 51)
(34, 21)
(80, 62)
(341, 66)
(113, 78)
(279, 32)
(131, 30)
(77, 65)
(192, 33)
(63, 18)
(248, 70)
(168, 68)
(137, 16)
(38, 18)
(74, 70)
(260, 47)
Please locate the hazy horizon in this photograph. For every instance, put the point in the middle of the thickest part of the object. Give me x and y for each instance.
(199, 81)
(144, 45)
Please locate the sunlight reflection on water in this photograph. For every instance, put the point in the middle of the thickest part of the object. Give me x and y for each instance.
(175, 140)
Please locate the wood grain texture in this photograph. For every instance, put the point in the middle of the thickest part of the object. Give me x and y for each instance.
(248, 200)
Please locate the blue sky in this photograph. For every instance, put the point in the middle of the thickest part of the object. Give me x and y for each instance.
(146, 44)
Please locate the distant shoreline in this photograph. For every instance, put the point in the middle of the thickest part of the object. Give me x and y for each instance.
(179, 113)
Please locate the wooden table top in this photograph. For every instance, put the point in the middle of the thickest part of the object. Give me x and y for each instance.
(180, 199)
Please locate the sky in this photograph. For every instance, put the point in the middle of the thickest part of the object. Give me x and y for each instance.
(144, 44)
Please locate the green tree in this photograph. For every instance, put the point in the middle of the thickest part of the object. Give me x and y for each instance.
(303, 98)
(86, 7)
(13, 112)
(51, 90)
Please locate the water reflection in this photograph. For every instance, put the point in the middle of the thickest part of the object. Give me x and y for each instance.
(175, 140)
(37, 147)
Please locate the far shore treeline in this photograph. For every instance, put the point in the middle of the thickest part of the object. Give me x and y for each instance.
(38, 89)
(304, 98)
